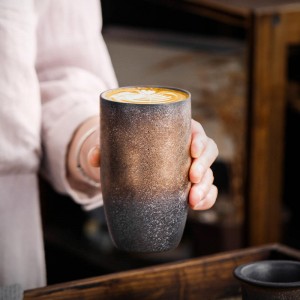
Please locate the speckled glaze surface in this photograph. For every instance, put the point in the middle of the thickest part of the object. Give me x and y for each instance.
(145, 161)
(270, 279)
(250, 292)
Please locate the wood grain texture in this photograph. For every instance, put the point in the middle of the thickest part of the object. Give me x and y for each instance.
(246, 7)
(267, 124)
(207, 278)
(272, 34)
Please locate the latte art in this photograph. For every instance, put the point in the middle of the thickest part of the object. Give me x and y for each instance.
(146, 95)
(142, 95)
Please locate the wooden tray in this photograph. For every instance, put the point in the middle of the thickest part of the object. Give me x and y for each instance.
(208, 277)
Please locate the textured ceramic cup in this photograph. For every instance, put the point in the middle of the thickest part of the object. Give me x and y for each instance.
(269, 280)
(145, 160)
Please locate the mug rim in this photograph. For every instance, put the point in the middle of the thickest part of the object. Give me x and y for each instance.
(147, 86)
(238, 273)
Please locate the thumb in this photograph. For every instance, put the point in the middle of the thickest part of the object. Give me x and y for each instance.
(94, 157)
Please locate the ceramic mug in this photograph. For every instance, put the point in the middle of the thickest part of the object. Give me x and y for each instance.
(145, 159)
(269, 279)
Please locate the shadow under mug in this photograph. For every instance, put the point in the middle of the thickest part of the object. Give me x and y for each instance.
(269, 280)
(145, 160)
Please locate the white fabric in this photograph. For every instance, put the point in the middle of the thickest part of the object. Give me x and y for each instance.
(54, 65)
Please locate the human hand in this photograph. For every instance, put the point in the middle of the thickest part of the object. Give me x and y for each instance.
(204, 151)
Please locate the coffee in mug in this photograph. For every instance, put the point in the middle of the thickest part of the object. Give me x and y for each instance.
(146, 95)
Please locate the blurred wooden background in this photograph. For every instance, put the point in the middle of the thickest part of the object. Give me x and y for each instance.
(206, 50)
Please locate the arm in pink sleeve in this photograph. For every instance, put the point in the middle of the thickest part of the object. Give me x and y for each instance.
(73, 67)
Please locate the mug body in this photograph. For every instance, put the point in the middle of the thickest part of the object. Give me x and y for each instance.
(145, 160)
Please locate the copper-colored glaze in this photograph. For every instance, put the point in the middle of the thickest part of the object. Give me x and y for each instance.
(145, 159)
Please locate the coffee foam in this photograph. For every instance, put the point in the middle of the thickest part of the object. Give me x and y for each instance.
(145, 95)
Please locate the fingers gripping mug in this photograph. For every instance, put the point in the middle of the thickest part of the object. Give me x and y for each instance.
(145, 160)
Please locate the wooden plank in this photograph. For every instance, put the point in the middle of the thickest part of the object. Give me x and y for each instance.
(230, 7)
(223, 16)
(234, 17)
(267, 119)
(292, 27)
(245, 7)
(211, 277)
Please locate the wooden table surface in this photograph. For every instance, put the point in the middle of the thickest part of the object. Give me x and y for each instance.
(209, 277)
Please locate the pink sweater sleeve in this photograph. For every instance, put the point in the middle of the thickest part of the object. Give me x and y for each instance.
(73, 67)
